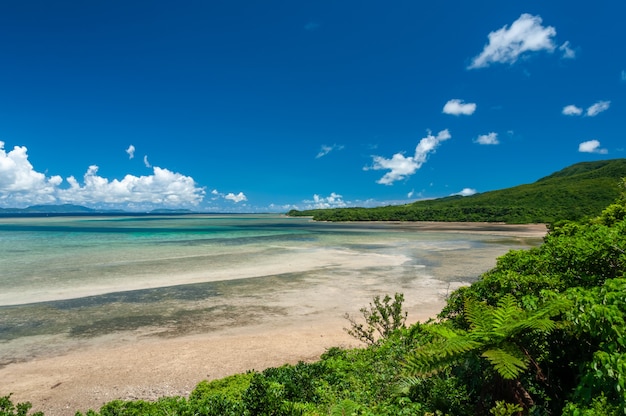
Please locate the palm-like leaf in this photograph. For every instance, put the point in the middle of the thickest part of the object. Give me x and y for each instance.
(493, 330)
(508, 365)
(479, 316)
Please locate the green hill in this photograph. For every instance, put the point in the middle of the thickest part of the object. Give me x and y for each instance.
(576, 192)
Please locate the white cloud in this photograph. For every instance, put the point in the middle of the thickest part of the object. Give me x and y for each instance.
(592, 111)
(327, 149)
(334, 200)
(162, 188)
(592, 146)
(597, 108)
(400, 166)
(410, 194)
(568, 53)
(466, 192)
(145, 161)
(231, 196)
(458, 107)
(506, 45)
(240, 197)
(21, 185)
(489, 138)
(572, 110)
(131, 151)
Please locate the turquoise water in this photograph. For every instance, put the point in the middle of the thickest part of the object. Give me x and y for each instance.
(65, 280)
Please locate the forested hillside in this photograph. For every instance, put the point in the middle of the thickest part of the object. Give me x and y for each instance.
(579, 191)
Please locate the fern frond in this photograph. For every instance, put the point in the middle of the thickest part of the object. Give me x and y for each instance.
(457, 345)
(424, 363)
(541, 324)
(344, 408)
(509, 366)
(479, 315)
(406, 383)
(443, 331)
(435, 356)
(506, 314)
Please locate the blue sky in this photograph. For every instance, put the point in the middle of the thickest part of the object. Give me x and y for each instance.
(257, 106)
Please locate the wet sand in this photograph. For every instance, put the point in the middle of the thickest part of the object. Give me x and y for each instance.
(138, 365)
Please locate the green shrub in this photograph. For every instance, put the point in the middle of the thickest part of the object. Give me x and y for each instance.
(7, 408)
(231, 387)
(381, 319)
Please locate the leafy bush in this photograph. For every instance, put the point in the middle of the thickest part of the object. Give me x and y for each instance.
(7, 408)
(231, 387)
(381, 319)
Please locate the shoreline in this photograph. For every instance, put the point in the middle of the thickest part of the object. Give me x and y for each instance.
(152, 368)
(142, 364)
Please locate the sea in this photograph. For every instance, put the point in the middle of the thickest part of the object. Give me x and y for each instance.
(67, 281)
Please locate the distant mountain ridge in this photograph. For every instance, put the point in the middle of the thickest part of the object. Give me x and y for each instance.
(72, 209)
(578, 191)
(63, 208)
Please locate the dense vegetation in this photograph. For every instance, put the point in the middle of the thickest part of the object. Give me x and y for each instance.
(542, 333)
(579, 191)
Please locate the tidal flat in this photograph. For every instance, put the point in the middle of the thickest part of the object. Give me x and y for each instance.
(133, 307)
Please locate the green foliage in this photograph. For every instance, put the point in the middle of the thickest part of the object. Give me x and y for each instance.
(265, 397)
(599, 320)
(344, 408)
(577, 192)
(494, 333)
(7, 408)
(300, 381)
(503, 408)
(381, 319)
(231, 387)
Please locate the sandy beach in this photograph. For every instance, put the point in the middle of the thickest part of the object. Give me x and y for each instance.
(140, 365)
(151, 368)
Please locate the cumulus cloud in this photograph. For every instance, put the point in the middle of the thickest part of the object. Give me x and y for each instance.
(566, 51)
(458, 107)
(21, 185)
(400, 166)
(240, 197)
(489, 138)
(466, 192)
(572, 110)
(327, 149)
(334, 200)
(231, 196)
(592, 146)
(131, 151)
(597, 108)
(506, 45)
(162, 188)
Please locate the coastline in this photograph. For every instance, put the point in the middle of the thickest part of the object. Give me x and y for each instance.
(151, 368)
(143, 365)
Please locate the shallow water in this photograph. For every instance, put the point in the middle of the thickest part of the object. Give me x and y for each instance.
(66, 281)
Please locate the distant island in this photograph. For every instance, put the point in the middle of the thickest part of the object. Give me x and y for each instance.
(579, 191)
(72, 209)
